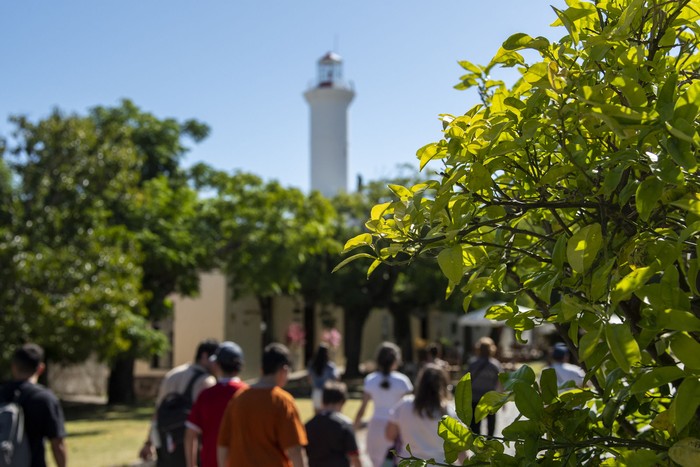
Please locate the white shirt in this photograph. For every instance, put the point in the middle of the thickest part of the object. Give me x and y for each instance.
(568, 372)
(418, 432)
(385, 399)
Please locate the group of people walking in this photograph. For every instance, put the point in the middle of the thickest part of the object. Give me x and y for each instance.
(233, 424)
(207, 417)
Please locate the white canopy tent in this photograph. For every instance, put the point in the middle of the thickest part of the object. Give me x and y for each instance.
(477, 325)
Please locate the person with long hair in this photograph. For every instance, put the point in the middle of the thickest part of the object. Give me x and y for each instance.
(414, 420)
(384, 387)
(320, 370)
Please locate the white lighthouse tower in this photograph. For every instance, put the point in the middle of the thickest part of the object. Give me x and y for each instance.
(329, 100)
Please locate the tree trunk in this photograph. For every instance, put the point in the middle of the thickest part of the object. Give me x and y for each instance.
(266, 305)
(310, 330)
(402, 333)
(120, 387)
(352, 341)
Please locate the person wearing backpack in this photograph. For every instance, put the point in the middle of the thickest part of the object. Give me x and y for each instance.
(178, 391)
(208, 410)
(41, 411)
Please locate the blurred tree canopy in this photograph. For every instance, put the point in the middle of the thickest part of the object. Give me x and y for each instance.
(97, 226)
(100, 224)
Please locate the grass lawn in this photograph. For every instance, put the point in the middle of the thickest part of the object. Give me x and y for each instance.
(100, 436)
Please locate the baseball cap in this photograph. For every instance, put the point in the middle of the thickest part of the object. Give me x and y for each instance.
(227, 353)
(560, 350)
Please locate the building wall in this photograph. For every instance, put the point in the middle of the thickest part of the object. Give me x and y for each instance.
(243, 327)
(443, 326)
(329, 138)
(85, 379)
(215, 313)
(378, 328)
(199, 317)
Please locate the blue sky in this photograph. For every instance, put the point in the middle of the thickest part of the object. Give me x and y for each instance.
(242, 66)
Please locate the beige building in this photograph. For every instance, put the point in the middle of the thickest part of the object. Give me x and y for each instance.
(216, 314)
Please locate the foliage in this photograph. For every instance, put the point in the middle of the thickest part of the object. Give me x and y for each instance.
(263, 231)
(97, 231)
(73, 280)
(263, 234)
(575, 189)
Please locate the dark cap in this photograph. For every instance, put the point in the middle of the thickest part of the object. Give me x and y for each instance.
(227, 353)
(560, 351)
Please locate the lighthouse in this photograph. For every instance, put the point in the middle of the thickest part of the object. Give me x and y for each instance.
(329, 99)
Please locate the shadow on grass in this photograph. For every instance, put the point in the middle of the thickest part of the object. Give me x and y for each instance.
(79, 434)
(75, 411)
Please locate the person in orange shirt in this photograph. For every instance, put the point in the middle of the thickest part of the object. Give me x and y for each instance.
(261, 425)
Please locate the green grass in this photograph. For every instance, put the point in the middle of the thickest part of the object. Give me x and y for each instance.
(101, 436)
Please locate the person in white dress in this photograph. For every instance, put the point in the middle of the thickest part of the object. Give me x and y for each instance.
(414, 420)
(384, 387)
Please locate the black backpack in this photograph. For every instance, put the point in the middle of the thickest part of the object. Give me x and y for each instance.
(14, 446)
(171, 416)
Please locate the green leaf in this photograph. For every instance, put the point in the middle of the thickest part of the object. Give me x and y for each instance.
(451, 263)
(548, 385)
(628, 17)
(612, 180)
(456, 436)
(623, 347)
(588, 344)
(690, 204)
(666, 98)
(490, 403)
(364, 239)
(682, 130)
(500, 312)
(401, 191)
(521, 429)
(528, 401)
(642, 458)
(478, 178)
(351, 259)
(427, 153)
(678, 320)
(521, 40)
(568, 24)
(648, 194)
(583, 247)
(373, 266)
(686, 402)
(524, 374)
(631, 283)
(685, 452)
(601, 279)
(469, 66)
(656, 378)
(687, 350)
(559, 252)
(681, 154)
(463, 399)
(378, 210)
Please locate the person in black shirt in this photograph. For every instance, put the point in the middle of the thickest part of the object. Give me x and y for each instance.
(330, 433)
(43, 415)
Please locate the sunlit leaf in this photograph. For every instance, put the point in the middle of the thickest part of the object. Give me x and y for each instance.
(583, 247)
(622, 345)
